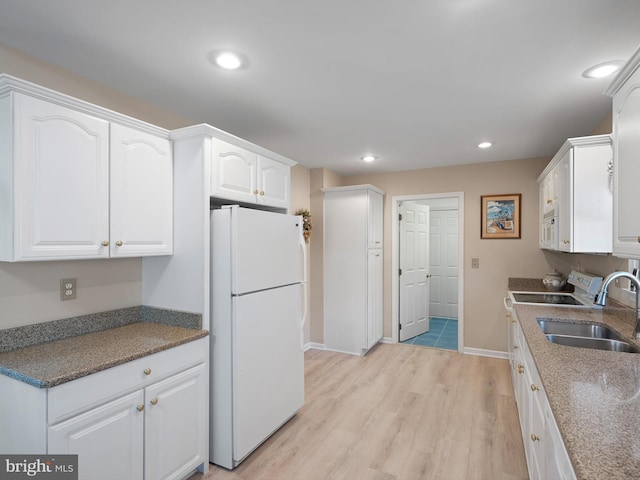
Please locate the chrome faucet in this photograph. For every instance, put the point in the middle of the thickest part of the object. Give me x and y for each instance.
(601, 297)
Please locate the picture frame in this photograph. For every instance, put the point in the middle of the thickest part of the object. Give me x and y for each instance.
(500, 216)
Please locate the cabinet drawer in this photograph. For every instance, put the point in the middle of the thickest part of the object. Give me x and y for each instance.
(80, 395)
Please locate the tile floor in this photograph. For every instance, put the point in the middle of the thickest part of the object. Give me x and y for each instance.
(443, 333)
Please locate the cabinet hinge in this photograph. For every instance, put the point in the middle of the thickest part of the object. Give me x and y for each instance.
(400, 217)
(400, 327)
(399, 271)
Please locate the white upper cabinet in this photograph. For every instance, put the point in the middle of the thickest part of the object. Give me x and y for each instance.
(576, 197)
(233, 175)
(273, 182)
(55, 175)
(77, 185)
(141, 194)
(626, 147)
(245, 176)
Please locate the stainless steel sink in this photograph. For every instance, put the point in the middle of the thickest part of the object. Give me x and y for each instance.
(590, 330)
(585, 335)
(594, 343)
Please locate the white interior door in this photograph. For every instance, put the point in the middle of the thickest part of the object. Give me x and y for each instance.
(443, 263)
(414, 268)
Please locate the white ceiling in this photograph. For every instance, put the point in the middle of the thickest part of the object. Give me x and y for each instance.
(419, 83)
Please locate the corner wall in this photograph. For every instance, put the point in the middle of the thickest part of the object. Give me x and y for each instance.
(485, 287)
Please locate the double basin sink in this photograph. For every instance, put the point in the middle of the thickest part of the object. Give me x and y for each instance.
(585, 335)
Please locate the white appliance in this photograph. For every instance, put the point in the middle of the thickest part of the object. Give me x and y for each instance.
(586, 287)
(257, 319)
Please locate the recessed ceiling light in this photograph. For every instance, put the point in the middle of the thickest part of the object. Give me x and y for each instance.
(603, 70)
(368, 158)
(227, 59)
(484, 145)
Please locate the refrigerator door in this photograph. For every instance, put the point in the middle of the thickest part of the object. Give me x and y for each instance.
(266, 250)
(268, 365)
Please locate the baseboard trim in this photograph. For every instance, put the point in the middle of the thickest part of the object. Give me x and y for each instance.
(387, 340)
(314, 345)
(486, 353)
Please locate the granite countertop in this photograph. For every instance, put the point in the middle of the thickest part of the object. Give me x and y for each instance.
(594, 395)
(52, 363)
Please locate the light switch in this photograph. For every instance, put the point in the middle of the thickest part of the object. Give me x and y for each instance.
(475, 263)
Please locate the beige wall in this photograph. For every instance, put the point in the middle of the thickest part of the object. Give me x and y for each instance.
(29, 292)
(485, 287)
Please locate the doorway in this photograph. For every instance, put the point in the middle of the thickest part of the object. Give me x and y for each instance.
(427, 267)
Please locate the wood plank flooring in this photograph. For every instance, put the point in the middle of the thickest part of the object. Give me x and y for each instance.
(402, 412)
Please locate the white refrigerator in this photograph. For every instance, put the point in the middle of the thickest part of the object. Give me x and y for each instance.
(257, 320)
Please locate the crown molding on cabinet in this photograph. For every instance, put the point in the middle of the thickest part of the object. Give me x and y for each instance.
(208, 130)
(10, 84)
(591, 141)
(623, 75)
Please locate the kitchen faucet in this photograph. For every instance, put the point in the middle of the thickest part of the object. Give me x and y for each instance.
(601, 297)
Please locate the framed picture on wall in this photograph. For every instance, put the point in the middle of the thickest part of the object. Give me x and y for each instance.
(500, 216)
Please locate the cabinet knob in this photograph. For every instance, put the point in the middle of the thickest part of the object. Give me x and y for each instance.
(105, 243)
(255, 192)
(515, 347)
(154, 401)
(639, 239)
(140, 407)
(534, 388)
(566, 242)
(147, 371)
(535, 438)
(119, 243)
(261, 192)
(520, 368)
(549, 201)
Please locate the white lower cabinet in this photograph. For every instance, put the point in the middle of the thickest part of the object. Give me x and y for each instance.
(111, 431)
(145, 419)
(547, 458)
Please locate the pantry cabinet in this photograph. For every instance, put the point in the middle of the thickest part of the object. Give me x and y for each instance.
(246, 176)
(625, 91)
(76, 183)
(576, 197)
(145, 419)
(353, 260)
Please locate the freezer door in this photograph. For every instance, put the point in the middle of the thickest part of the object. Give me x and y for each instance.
(268, 365)
(266, 250)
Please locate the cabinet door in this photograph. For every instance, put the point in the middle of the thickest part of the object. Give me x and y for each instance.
(273, 182)
(374, 297)
(233, 175)
(61, 189)
(108, 440)
(141, 194)
(375, 219)
(626, 131)
(564, 196)
(177, 424)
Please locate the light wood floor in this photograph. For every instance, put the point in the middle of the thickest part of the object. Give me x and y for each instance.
(400, 412)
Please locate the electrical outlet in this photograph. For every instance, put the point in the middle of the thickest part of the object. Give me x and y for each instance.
(68, 288)
(475, 263)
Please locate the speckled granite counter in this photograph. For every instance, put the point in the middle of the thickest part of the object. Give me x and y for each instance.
(48, 354)
(594, 395)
